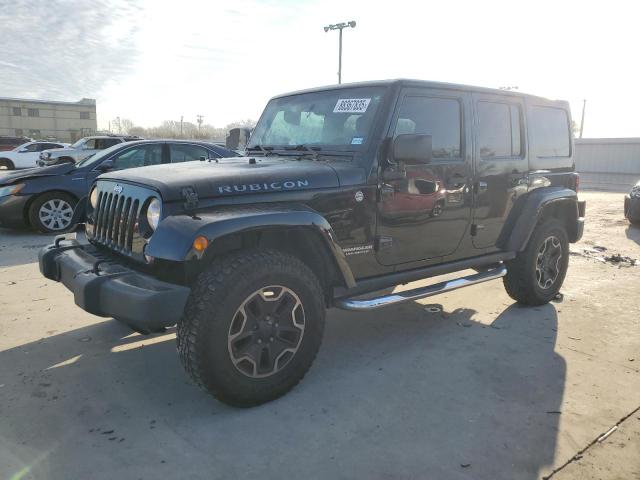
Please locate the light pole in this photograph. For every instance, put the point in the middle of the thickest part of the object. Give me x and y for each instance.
(340, 26)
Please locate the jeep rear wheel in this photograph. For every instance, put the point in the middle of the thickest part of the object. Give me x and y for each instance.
(252, 326)
(536, 275)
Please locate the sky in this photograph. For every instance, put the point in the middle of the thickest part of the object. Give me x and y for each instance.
(155, 60)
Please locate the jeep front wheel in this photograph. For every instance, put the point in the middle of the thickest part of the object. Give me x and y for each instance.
(252, 326)
(535, 276)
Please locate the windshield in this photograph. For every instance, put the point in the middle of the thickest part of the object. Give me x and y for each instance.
(79, 143)
(340, 118)
(96, 157)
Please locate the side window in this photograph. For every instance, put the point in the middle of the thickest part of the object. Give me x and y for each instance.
(90, 144)
(187, 153)
(139, 156)
(550, 132)
(34, 147)
(438, 117)
(110, 142)
(499, 130)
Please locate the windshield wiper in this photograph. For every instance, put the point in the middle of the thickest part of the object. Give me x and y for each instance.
(313, 150)
(265, 150)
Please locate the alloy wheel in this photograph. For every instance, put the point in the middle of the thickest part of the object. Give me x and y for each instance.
(266, 331)
(548, 262)
(56, 214)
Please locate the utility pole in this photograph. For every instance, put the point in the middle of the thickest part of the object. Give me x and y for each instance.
(584, 107)
(340, 27)
(181, 119)
(200, 118)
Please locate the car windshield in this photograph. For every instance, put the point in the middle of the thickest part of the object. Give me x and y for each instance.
(96, 157)
(79, 143)
(340, 119)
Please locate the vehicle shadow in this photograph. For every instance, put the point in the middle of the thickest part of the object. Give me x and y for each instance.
(398, 393)
(633, 233)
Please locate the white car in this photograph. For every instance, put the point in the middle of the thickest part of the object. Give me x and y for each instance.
(26, 155)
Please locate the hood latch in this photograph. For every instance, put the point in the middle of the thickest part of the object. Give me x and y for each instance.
(190, 197)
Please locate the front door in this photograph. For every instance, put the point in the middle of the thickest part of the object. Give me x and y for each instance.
(425, 212)
(501, 163)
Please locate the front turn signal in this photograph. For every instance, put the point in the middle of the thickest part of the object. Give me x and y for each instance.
(200, 244)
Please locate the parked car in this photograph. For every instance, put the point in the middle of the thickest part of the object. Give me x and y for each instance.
(9, 143)
(246, 254)
(83, 148)
(632, 205)
(27, 154)
(44, 198)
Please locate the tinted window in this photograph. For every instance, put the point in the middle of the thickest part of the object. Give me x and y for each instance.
(187, 153)
(139, 156)
(550, 132)
(34, 147)
(438, 117)
(499, 129)
(109, 142)
(90, 144)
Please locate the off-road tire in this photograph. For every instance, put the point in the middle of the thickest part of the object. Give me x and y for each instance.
(34, 209)
(521, 281)
(203, 332)
(6, 164)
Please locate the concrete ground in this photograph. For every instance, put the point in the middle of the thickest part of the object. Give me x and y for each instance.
(471, 387)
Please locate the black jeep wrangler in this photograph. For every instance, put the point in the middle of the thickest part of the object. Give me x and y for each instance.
(346, 190)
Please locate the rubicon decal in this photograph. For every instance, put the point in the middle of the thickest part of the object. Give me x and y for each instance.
(263, 187)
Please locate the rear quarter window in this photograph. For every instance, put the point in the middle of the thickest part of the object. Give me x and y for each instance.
(550, 137)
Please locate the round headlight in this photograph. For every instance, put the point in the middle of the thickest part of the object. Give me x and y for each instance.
(153, 213)
(93, 198)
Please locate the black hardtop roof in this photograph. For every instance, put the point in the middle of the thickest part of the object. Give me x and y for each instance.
(407, 82)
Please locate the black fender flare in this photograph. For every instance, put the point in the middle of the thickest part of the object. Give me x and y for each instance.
(173, 239)
(528, 210)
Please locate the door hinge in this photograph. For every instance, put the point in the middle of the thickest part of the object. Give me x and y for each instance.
(383, 242)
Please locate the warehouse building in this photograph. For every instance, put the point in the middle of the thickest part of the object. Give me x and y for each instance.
(608, 163)
(42, 119)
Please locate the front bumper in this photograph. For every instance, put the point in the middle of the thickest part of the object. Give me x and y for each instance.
(632, 208)
(12, 210)
(103, 286)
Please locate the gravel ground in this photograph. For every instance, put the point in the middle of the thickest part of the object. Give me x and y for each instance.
(472, 387)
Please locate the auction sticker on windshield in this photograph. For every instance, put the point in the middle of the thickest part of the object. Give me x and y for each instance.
(351, 105)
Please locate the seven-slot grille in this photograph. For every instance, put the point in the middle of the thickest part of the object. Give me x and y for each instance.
(115, 217)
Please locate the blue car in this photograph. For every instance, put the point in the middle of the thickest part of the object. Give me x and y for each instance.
(44, 198)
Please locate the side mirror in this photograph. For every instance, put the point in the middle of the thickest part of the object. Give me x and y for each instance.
(411, 149)
(106, 166)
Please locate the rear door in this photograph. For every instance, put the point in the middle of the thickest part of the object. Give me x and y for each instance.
(501, 163)
(425, 213)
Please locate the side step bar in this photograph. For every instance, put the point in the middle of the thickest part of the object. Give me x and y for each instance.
(422, 292)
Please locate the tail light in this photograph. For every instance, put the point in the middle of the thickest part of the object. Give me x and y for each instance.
(576, 182)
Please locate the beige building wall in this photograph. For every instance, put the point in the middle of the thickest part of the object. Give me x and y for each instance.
(41, 119)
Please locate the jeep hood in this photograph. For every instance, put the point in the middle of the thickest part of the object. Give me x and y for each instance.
(231, 176)
(13, 176)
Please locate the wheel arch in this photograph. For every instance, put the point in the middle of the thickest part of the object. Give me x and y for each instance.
(9, 162)
(536, 207)
(296, 230)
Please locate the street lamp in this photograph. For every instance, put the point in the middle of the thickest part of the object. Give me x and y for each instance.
(340, 26)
